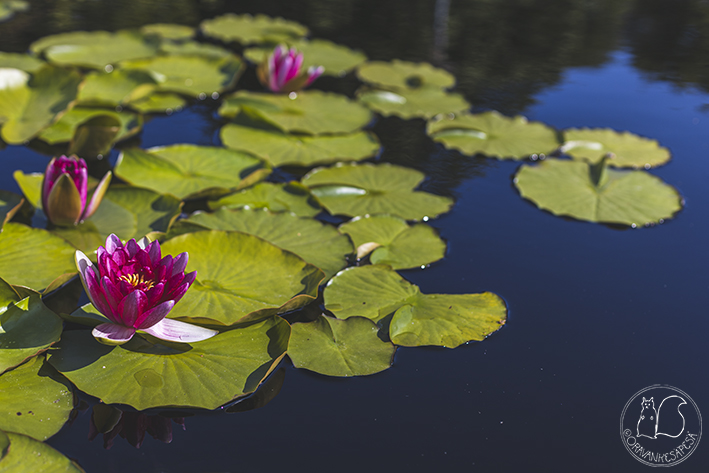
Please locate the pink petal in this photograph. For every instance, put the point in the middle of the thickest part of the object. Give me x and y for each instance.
(314, 73)
(132, 247)
(281, 75)
(155, 293)
(295, 68)
(143, 243)
(111, 292)
(154, 252)
(112, 334)
(112, 243)
(88, 276)
(176, 331)
(154, 315)
(177, 294)
(99, 193)
(179, 264)
(132, 306)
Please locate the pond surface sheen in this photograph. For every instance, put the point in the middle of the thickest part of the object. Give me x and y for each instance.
(596, 313)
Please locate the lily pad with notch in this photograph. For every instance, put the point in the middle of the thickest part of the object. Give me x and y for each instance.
(627, 149)
(64, 130)
(404, 75)
(283, 197)
(247, 29)
(422, 102)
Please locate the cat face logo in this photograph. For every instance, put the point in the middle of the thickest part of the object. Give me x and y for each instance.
(662, 435)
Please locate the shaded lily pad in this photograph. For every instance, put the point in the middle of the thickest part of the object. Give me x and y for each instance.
(493, 134)
(9, 205)
(194, 76)
(597, 193)
(28, 455)
(281, 148)
(628, 150)
(285, 197)
(312, 111)
(339, 347)
(268, 390)
(64, 129)
(147, 372)
(116, 88)
(170, 31)
(404, 75)
(317, 243)
(33, 257)
(9, 7)
(158, 103)
(337, 60)
(20, 61)
(417, 319)
(389, 240)
(193, 48)
(247, 29)
(95, 49)
(240, 277)
(424, 102)
(361, 189)
(190, 171)
(30, 103)
(33, 403)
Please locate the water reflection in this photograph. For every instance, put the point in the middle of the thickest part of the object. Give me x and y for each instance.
(130, 425)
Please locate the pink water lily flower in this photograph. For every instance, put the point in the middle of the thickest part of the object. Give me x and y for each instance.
(283, 72)
(65, 191)
(135, 288)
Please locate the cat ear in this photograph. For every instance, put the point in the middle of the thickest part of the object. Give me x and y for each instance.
(644, 399)
(651, 399)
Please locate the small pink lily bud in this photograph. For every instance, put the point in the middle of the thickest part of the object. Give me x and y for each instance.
(282, 71)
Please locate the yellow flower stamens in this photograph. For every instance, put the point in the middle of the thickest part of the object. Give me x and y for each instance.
(136, 280)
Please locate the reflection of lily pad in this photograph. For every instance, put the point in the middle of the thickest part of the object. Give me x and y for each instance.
(116, 88)
(423, 102)
(361, 189)
(32, 402)
(247, 29)
(339, 347)
(628, 150)
(392, 242)
(158, 103)
(240, 275)
(281, 148)
(417, 319)
(495, 135)
(286, 197)
(151, 373)
(26, 454)
(30, 103)
(168, 31)
(190, 171)
(403, 75)
(63, 130)
(597, 193)
(337, 60)
(317, 243)
(311, 111)
(9, 205)
(20, 61)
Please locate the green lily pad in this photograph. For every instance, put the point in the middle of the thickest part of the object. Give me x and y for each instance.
(195, 76)
(417, 319)
(312, 112)
(4, 444)
(10, 203)
(247, 29)
(337, 60)
(493, 134)
(389, 240)
(404, 75)
(9, 7)
(33, 257)
(240, 277)
(193, 48)
(147, 372)
(64, 129)
(129, 212)
(339, 347)
(115, 88)
(424, 102)
(361, 189)
(169, 31)
(285, 197)
(190, 171)
(30, 103)
(281, 148)
(20, 61)
(158, 103)
(31, 186)
(33, 403)
(317, 243)
(29, 455)
(628, 150)
(597, 193)
(267, 392)
(95, 49)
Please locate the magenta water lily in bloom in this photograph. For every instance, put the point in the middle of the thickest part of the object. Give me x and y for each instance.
(283, 71)
(65, 191)
(135, 288)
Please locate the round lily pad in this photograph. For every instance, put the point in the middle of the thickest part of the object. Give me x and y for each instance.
(361, 189)
(33, 403)
(597, 193)
(337, 60)
(9, 205)
(33, 257)
(158, 103)
(339, 347)
(30, 103)
(627, 149)
(424, 102)
(247, 29)
(168, 31)
(190, 171)
(317, 243)
(404, 75)
(64, 129)
(378, 292)
(147, 372)
(493, 134)
(240, 277)
(281, 148)
(285, 197)
(313, 112)
(115, 88)
(23, 62)
(390, 240)
(193, 48)
(26, 454)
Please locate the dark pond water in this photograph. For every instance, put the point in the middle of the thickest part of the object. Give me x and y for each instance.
(596, 313)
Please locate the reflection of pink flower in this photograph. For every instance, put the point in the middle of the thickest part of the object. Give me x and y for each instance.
(283, 72)
(135, 289)
(132, 426)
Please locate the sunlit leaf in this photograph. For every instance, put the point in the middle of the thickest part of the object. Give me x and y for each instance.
(404, 75)
(423, 102)
(628, 150)
(248, 29)
(95, 137)
(285, 197)
(64, 129)
(116, 88)
(193, 48)
(158, 103)
(20, 61)
(28, 455)
(168, 31)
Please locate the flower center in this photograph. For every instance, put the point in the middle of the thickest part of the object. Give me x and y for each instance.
(136, 280)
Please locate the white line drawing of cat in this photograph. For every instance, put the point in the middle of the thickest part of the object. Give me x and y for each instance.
(649, 421)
